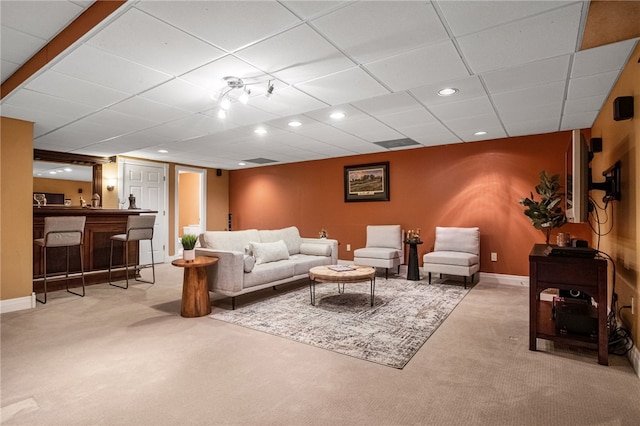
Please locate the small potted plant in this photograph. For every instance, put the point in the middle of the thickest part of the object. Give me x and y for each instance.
(189, 247)
(546, 213)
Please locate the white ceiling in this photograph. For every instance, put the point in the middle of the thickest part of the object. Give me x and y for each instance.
(142, 80)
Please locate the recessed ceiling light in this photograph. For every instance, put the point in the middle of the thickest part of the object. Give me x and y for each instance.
(242, 164)
(67, 169)
(163, 151)
(337, 115)
(52, 172)
(260, 131)
(447, 91)
(222, 113)
(480, 133)
(295, 124)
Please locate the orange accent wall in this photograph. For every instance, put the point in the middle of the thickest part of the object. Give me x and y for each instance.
(468, 184)
(189, 190)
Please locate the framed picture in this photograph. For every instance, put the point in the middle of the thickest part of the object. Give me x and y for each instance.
(366, 182)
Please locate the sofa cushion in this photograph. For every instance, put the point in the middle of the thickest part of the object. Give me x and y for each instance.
(451, 258)
(269, 252)
(269, 272)
(304, 262)
(457, 239)
(315, 249)
(229, 240)
(290, 236)
(384, 236)
(249, 262)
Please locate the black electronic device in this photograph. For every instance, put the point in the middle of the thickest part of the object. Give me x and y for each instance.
(573, 316)
(584, 252)
(575, 294)
(623, 108)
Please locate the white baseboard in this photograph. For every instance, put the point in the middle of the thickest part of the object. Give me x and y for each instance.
(18, 304)
(517, 280)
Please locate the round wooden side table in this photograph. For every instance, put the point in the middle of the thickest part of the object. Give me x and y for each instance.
(195, 294)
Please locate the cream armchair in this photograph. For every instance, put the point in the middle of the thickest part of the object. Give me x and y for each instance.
(384, 248)
(456, 252)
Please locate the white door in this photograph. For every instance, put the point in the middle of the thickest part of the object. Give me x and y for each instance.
(147, 184)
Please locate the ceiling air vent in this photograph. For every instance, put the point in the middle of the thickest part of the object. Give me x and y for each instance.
(260, 160)
(397, 143)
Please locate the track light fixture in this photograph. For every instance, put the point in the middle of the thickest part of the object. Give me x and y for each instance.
(236, 83)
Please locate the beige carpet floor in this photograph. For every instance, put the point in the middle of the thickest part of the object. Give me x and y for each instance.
(127, 357)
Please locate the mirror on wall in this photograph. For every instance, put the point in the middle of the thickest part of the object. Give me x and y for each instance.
(50, 170)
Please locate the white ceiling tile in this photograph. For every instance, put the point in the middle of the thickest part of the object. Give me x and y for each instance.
(286, 101)
(469, 88)
(7, 68)
(591, 103)
(540, 95)
(368, 31)
(76, 90)
(400, 120)
(464, 125)
(430, 134)
(306, 9)
(369, 129)
(120, 123)
(345, 86)
(528, 75)
(16, 46)
(610, 57)
(526, 112)
(42, 19)
(157, 45)
(218, 22)
(593, 85)
(578, 121)
(47, 103)
(468, 107)
(324, 115)
(496, 132)
(141, 107)
(297, 55)
(387, 104)
(539, 37)
(44, 120)
(91, 64)
(211, 76)
(412, 69)
(466, 17)
(244, 115)
(181, 94)
(532, 127)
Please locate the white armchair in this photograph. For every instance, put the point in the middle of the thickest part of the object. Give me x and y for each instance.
(456, 252)
(384, 248)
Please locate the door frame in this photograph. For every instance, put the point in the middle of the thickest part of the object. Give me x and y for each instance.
(162, 216)
(203, 200)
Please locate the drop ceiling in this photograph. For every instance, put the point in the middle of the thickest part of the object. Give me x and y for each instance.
(149, 77)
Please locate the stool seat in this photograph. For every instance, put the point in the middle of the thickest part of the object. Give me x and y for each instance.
(65, 232)
(138, 228)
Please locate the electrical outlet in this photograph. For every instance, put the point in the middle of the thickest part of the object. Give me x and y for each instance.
(494, 256)
(633, 305)
(348, 247)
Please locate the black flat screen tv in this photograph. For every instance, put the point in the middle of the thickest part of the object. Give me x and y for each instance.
(577, 179)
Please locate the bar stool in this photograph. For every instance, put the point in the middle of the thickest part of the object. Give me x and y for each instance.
(62, 232)
(138, 228)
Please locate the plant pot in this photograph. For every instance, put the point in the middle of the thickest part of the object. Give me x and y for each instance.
(189, 255)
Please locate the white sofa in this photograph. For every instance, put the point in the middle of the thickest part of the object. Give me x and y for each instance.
(253, 259)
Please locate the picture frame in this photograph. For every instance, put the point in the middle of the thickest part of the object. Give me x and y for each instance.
(366, 182)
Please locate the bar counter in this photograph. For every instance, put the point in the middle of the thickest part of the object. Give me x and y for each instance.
(100, 225)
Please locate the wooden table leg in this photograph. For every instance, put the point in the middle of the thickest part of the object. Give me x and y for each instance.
(195, 294)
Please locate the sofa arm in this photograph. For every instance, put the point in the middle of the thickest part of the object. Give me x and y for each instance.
(331, 243)
(226, 275)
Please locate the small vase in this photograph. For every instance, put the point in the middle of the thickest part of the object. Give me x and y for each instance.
(189, 255)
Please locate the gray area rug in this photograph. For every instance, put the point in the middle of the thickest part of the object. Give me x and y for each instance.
(405, 314)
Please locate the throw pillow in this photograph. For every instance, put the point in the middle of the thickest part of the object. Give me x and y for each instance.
(315, 249)
(249, 263)
(269, 252)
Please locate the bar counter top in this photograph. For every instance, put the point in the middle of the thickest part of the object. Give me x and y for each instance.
(85, 211)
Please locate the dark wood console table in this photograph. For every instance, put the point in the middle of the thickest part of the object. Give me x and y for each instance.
(588, 275)
(100, 225)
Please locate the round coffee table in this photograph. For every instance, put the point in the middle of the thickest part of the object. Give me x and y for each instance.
(339, 274)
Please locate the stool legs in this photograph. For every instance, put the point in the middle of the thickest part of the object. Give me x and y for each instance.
(66, 274)
(126, 266)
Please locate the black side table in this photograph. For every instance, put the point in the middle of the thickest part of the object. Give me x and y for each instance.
(413, 271)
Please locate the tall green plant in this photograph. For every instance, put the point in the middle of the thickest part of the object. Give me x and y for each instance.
(547, 213)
